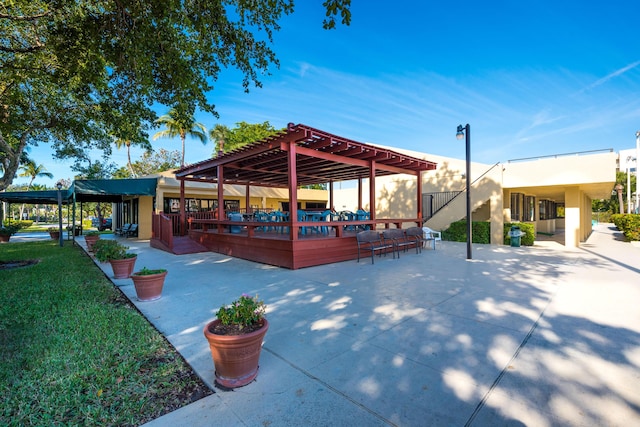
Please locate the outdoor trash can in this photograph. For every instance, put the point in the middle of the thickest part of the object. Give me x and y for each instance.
(515, 234)
(235, 217)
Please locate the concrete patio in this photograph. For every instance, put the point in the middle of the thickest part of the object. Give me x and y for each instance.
(536, 336)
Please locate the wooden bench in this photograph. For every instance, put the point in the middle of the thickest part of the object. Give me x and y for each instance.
(370, 240)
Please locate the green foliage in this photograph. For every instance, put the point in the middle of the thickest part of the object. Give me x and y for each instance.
(457, 232)
(481, 232)
(76, 74)
(147, 272)
(15, 226)
(604, 216)
(179, 122)
(109, 249)
(151, 162)
(73, 351)
(244, 133)
(629, 224)
(244, 311)
(529, 233)
(9, 230)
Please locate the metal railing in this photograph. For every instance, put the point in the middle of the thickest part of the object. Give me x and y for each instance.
(442, 199)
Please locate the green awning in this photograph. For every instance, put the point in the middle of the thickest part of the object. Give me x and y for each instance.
(48, 197)
(87, 190)
(112, 190)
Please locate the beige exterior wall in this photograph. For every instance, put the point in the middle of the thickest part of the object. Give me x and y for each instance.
(571, 179)
(145, 206)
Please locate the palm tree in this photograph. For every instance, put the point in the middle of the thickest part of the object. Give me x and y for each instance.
(180, 125)
(30, 169)
(119, 143)
(219, 134)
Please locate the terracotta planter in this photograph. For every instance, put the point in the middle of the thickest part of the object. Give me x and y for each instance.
(90, 240)
(149, 286)
(235, 357)
(4, 238)
(55, 235)
(122, 268)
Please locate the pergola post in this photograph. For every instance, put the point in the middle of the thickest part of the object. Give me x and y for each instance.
(372, 190)
(183, 209)
(293, 191)
(419, 196)
(221, 217)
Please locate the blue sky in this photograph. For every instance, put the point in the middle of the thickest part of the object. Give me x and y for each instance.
(531, 78)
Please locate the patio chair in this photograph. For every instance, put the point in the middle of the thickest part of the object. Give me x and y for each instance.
(431, 235)
(302, 216)
(324, 216)
(399, 239)
(370, 240)
(417, 235)
(132, 231)
(363, 216)
(122, 231)
(261, 217)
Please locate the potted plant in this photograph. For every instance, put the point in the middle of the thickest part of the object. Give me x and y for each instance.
(235, 339)
(90, 238)
(7, 231)
(122, 262)
(149, 283)
(54, 232)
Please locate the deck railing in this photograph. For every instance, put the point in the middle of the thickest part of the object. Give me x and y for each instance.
(162, 229)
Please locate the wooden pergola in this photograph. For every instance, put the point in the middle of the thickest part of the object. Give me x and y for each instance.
(299, 156)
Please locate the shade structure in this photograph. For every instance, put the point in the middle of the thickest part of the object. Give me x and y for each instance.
(321, 157)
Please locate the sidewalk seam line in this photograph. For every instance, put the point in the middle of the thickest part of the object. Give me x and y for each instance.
(330, 387)
(484, 399)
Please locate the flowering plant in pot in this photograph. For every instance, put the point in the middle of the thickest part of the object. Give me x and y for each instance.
(122, 262)
(149, 283)
(90, 238)
(235, 340)
(54, 232)
(7, 231)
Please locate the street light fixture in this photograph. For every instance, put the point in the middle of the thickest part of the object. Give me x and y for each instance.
(59, 187)
(466, 132)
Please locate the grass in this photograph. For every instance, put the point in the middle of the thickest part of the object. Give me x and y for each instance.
(74, 351)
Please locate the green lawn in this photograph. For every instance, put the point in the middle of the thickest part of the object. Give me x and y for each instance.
(75, 351)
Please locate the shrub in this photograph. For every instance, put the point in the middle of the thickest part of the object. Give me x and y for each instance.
(629, 224)
(527, 228)
(457, 232)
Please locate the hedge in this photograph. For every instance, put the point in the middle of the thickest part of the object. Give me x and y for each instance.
(481, 232)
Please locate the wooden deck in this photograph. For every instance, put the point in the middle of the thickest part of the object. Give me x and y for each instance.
(315, 243)
(277, 249)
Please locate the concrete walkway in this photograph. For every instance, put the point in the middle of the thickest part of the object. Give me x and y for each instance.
(536, 336)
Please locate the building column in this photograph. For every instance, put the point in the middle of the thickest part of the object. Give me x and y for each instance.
(496, 207)
(572, 216)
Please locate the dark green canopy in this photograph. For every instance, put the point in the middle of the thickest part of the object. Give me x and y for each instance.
(112, 190)
(49, 197)
(87, 190)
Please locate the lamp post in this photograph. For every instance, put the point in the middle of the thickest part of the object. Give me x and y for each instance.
(59, 187)
(466, 131)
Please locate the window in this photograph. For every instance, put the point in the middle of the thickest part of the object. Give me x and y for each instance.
(529, 208)
(517, 201)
